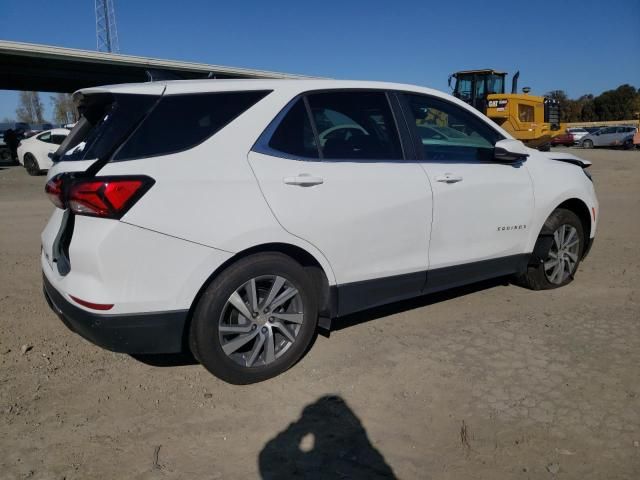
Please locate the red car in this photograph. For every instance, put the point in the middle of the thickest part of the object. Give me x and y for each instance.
(565, 139)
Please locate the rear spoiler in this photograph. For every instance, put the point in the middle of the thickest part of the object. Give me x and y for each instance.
(567, 158)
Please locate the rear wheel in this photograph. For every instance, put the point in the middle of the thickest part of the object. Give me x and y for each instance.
(587, 144)
(5, 155)
(31, 164)
(255, 320)
(564, 233)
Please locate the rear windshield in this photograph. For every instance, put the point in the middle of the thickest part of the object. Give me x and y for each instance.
(107, 120)
(126, 126)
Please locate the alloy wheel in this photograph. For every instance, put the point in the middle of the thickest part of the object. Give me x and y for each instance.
(260, 321)
(563, 254)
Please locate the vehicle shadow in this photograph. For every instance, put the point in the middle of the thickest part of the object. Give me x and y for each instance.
(328, 441)
(186, 358)
(166, 359)
(423, 301)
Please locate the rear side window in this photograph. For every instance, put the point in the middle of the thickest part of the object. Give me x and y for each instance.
(355, 125)
(180, 122)
(294, 134)
(58, 139)
(45, 137)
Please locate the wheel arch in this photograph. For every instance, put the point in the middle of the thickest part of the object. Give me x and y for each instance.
(581, 209)
(35, 160)
(326, 292)
(575, 205)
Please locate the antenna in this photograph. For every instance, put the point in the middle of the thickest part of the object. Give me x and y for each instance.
(106, 32)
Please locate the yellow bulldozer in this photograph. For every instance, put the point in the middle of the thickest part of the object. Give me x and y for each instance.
(532, 119)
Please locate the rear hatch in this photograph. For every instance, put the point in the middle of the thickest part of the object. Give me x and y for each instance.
(108, 118)
(118, 124)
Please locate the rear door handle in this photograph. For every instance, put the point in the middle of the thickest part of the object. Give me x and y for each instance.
(448, 178)
(303, 180)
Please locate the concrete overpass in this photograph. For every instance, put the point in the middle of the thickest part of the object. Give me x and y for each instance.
(44, 68)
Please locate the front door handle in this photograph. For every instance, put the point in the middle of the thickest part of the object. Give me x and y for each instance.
(303, 180)
(449, 178)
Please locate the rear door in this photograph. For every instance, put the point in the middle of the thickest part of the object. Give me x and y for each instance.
(332, 169)
(481, 209)
(42, 147)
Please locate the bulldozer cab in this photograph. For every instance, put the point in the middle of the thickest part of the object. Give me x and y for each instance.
(473, 86)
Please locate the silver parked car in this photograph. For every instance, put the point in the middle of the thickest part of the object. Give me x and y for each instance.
(578, 133)
(608, 137)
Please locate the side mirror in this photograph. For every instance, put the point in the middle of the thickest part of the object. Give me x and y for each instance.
(510, 151)
(50, 154)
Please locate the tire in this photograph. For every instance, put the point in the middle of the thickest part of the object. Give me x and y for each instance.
(244, 357)
(550, 273)
(5, 155)
(587, 144)
(31, 164)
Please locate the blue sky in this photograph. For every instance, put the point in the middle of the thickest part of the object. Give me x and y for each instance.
(579, 46)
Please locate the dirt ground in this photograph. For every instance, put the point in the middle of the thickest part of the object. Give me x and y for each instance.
(487, 382)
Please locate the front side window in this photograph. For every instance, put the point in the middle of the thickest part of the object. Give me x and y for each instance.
(355, 125)
(463, 88)
(448, 132)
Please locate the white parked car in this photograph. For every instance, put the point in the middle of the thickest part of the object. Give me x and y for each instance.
(33, 152)
(577, 133)
(207, 215)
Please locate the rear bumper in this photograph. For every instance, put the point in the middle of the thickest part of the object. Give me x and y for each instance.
(156, 332)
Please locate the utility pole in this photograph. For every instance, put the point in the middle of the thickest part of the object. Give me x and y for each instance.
(106, 31)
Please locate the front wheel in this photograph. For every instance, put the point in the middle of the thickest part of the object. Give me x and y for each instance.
(255, 320)
(587, 144)
(563, 234)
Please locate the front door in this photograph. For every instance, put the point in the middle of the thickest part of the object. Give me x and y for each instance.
(482, 210)
(604, 137)
(334, 174)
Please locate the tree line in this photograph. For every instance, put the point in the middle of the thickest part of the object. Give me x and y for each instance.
(623, 103)
(31, 109)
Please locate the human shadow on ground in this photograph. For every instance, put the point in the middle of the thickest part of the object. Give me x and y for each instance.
(328, 441)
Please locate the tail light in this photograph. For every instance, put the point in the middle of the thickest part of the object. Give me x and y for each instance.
(105, 197)
(53, 189)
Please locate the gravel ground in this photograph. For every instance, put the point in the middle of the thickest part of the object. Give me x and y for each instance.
(487, 382)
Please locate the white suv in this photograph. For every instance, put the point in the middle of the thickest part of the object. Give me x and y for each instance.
(234, 217)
